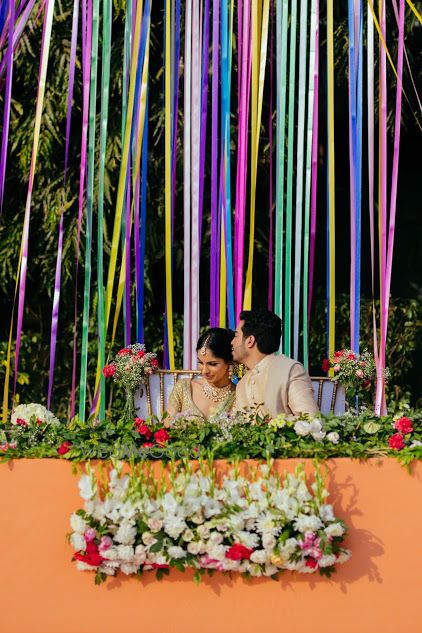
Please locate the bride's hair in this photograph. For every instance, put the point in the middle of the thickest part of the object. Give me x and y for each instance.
(218, 341)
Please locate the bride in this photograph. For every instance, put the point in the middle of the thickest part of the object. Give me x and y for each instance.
(213, 392)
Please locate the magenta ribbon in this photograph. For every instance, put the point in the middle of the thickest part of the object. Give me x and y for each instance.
(314, 176)
(271, 211)
(214, 256)
(7, 101)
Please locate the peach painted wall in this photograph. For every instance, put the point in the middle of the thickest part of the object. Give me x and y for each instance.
(378, 591)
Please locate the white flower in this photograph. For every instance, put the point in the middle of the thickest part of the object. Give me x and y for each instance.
(334, 529)
(174, 526)
(316, 430)
(27, 411)
(81, 566)
(265, 524)
(194, 547)
(78, 524)
(140, 555)
(333, 437)
(259, 556)
(415, 444)
(302, 427)
(169, 503)
(128, 568)
(125, 534)
(176, 552)
(203, 531)
(216, 538)
(327, 560)
(77, 541)
(125, 553)
(326, 512)
(268, 541)
(248, 539)
(217, 551)
(344, 556)
(188, 535)
(87, 487)
(305, 523)
(270, 570)
(155, 525)
(148, 539)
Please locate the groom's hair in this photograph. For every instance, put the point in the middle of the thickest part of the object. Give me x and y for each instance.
(265, 326)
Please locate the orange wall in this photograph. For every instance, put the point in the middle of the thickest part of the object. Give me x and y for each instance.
(377, 591)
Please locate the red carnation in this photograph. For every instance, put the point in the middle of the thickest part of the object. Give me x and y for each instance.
(124, 352)
(21, 422)
(91, 556)
(109, 370)
(404, 425)
(64, 448)
(325, 364)
(140, 354)
(396, 442)
(154, 362)
(312, 563)
(147, 445)
(351, 356)
(161, 437)
(239, 552)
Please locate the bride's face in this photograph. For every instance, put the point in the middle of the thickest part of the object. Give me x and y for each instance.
(214, 370)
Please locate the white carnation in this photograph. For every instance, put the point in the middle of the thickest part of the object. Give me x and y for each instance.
(128, 568)
(334, 529)
(248, 539)
(259, 556)
(125, 534)
(327, 560)
(78, 524)
(77, 541)
(344, 556)
(305, 523)
(176, 552)
(125, 553)
(217, 551)
(174, 526)
(268, 541)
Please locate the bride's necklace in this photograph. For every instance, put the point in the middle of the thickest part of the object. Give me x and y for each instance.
(216, 394)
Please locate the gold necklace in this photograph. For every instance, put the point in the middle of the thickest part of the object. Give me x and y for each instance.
(216, 394)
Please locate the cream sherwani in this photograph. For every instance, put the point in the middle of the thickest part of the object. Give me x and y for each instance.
(277, 384)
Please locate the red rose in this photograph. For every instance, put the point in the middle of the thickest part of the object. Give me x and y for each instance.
(239, 552)
(154, 362)
(21, 422)
(144, 430)
(124, 352)
(312, 563)
(161, 437)
(404, 425)
(351, 356)
(325, 364)
(109, 370)
(339, 354)
(140, 354)
(147, 445)
(396, 442)
(91, 556)
(64, 448)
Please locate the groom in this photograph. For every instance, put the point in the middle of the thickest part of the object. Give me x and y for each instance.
(273, 384)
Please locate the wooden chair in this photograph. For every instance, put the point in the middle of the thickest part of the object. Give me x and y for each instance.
(152, 398)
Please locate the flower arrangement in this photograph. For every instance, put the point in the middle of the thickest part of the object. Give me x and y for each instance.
(30, 425)
(129, 369)
(257, 525)
(356, 372)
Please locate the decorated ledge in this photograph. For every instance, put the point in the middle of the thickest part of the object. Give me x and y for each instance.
(254, 521)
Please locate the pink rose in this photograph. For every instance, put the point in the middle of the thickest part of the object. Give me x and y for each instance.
(359, 373)
(404, 425)
(105, 543)
(337, 367)
(396, 442)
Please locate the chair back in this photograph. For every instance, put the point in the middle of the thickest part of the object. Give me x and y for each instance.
(152, 398)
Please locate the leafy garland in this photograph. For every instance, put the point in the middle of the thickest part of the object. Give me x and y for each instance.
(258, 525)
(244, 437)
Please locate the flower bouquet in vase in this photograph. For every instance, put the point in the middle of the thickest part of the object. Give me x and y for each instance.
(129, 369)
(357, 374)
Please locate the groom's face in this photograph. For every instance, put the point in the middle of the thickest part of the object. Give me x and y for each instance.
(239, 349)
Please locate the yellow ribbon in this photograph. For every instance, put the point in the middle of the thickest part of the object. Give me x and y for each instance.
(412, 6)
(260, 17)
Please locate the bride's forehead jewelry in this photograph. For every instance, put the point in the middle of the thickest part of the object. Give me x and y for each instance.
(203, 349)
